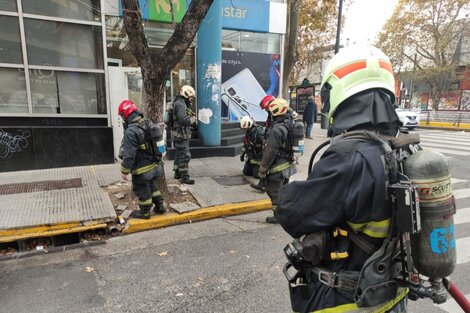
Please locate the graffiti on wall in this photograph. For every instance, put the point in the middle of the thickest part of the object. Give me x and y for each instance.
(13, 143)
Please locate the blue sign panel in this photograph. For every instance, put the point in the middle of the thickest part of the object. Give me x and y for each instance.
(249, 15)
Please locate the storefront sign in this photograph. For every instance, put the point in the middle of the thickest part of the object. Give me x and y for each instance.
(246, 15)
(160, 10)
(249, 15)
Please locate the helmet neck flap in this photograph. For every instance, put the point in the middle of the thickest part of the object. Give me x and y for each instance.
(370, 109)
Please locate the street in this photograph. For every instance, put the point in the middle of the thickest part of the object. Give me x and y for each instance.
(224, 265)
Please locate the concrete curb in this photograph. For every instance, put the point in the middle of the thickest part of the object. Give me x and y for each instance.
(16, 234)
(136, 225)
(445, 126)
(169, 219)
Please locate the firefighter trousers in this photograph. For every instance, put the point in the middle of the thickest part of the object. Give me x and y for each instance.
(274, 182)
(183, 156)
(145, 188)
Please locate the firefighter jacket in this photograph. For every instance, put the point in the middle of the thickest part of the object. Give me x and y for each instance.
(181, 118)
(277, 153)
(348, 185)
(253, 144)
(136, 154)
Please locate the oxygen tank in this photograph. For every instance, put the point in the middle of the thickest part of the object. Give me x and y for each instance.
(433, 249)
(156, 136)
(297, 138)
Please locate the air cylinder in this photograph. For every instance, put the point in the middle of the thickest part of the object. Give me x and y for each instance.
(434, 248)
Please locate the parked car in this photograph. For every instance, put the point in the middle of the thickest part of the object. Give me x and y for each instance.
(409, 119)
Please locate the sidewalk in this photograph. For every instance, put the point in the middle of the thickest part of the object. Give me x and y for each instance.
(51, 202)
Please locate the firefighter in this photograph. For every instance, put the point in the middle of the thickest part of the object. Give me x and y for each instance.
(139, 160)
(182, 119)
(346, 192)
(252, 150)
(277, 164)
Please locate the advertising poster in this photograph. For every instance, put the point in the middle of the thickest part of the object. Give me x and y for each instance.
(246, 78)
(303, 93)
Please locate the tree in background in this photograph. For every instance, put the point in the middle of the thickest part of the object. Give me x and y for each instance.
(423, 39)
(311, 26)
(156, 67)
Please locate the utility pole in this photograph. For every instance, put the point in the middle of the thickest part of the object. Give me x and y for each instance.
(338, 28)
(324, 117)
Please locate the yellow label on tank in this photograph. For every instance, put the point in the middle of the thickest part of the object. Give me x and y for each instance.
(434, 189)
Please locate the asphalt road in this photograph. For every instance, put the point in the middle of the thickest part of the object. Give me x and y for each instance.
(224, 265)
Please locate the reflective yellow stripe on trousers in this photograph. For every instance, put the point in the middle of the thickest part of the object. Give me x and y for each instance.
(144, 169)
(280, 167)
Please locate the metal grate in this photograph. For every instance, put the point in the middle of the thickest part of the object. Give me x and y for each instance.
(40, 186)
(230, 180)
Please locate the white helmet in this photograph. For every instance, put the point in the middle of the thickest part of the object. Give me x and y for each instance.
(278, 106)
(246, 122)
(355, 69)
(187, 91)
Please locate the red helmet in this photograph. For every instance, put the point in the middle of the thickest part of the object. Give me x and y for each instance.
(126, 108)
(266, 101)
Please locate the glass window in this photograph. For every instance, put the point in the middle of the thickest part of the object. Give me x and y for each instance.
(8, 5)
(67, 92)
(251, 42)
(75, 9)
(44, 91)
(13, 92)
(63, 44)
(10, 46)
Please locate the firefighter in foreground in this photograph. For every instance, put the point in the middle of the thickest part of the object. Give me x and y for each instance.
(277, 164)
(181, 119)
(252, 150)
(346, 192)
(142, 158)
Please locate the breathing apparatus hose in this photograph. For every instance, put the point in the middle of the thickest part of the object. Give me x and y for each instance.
(314, 154)
(457, 295)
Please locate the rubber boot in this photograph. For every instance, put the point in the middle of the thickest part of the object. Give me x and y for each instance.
(141, 215)
(186, 180)
(177, 174)
(158, 208)
(272, 220)
(259, 187)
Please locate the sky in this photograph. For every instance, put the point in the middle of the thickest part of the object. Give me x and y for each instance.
(364, 20)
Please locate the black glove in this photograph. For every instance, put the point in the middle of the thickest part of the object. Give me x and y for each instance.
(242, 157)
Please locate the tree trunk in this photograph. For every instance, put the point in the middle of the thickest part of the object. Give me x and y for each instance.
(155, 68)
(291, 42)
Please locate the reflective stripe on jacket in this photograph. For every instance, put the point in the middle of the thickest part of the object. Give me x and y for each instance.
(136, 157)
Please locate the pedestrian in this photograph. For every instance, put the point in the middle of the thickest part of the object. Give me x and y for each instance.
(140, 158)
(278, 163)
(345, 195)
(310, 116)
(252, 151)
(182, 120)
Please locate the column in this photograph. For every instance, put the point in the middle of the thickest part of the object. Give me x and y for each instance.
(209, 56)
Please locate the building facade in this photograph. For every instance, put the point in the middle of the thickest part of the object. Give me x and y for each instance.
(65, 65)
